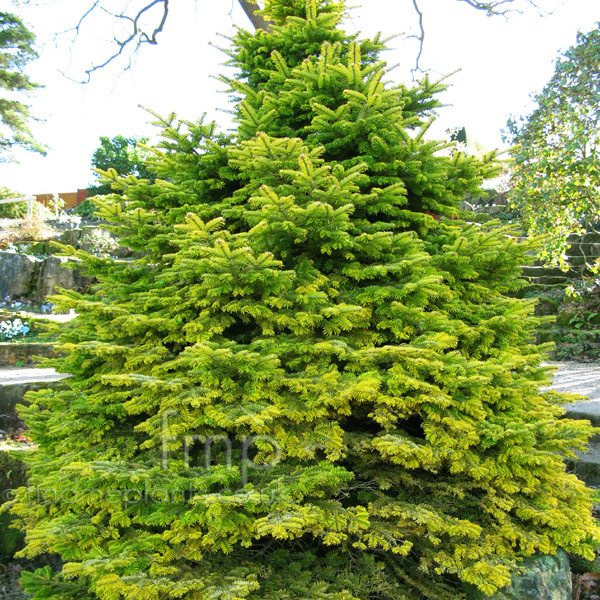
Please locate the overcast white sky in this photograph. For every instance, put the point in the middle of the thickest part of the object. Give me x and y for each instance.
(502, 63)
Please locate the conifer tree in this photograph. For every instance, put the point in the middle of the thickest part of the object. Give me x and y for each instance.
(311, 382)
(16, 51)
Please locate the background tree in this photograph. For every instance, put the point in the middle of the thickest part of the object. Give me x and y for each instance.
(556, 171)
(123, 156)
(16, 51)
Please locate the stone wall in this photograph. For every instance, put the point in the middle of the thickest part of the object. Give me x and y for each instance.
(21, 354)
(582, 249)
(23, 276)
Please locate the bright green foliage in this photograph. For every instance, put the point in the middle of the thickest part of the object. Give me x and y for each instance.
(124, 156)
(14, 210)
(294, 298)
(16, 51)
(555, 176)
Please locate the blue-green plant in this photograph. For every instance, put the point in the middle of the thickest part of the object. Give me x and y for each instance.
(12, 329)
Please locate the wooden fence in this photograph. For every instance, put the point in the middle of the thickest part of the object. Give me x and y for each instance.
(72, 199)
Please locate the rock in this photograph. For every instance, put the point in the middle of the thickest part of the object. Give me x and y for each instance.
(495, 210)
(26, 276)
(18, 274)
(10, 396)
(71, 237)
(54, 273)
(540, 577)
(587, 465)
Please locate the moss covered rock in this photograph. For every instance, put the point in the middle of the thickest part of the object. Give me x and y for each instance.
(540, 577)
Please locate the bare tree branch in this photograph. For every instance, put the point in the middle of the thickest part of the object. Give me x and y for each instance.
(420, 37)
(498, 7)
(493, 8)
(85, 15)
(136, 37)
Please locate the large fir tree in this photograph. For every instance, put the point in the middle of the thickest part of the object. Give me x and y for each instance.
(311, 383)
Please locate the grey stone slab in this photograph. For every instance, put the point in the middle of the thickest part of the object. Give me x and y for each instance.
(577, 378)
(14, 385)
(18, 274)
(18, 376)
(582, 379)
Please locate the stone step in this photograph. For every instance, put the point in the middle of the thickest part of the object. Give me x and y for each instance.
(546, 271)
(589, 238)
(545, 281)
(577, 261)
(582, 379)
(19, 446)
(590, 250)
(541, 271)
(14, 384)
(26, 315)
(19, 376)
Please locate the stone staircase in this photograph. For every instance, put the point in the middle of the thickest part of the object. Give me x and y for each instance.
(16, 381)
(14, 384)
(583, 379)
(583, 250)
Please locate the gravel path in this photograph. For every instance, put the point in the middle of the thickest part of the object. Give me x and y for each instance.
(577, 378)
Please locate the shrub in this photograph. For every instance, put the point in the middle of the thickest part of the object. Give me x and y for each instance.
(311, 384)
(85, 209)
